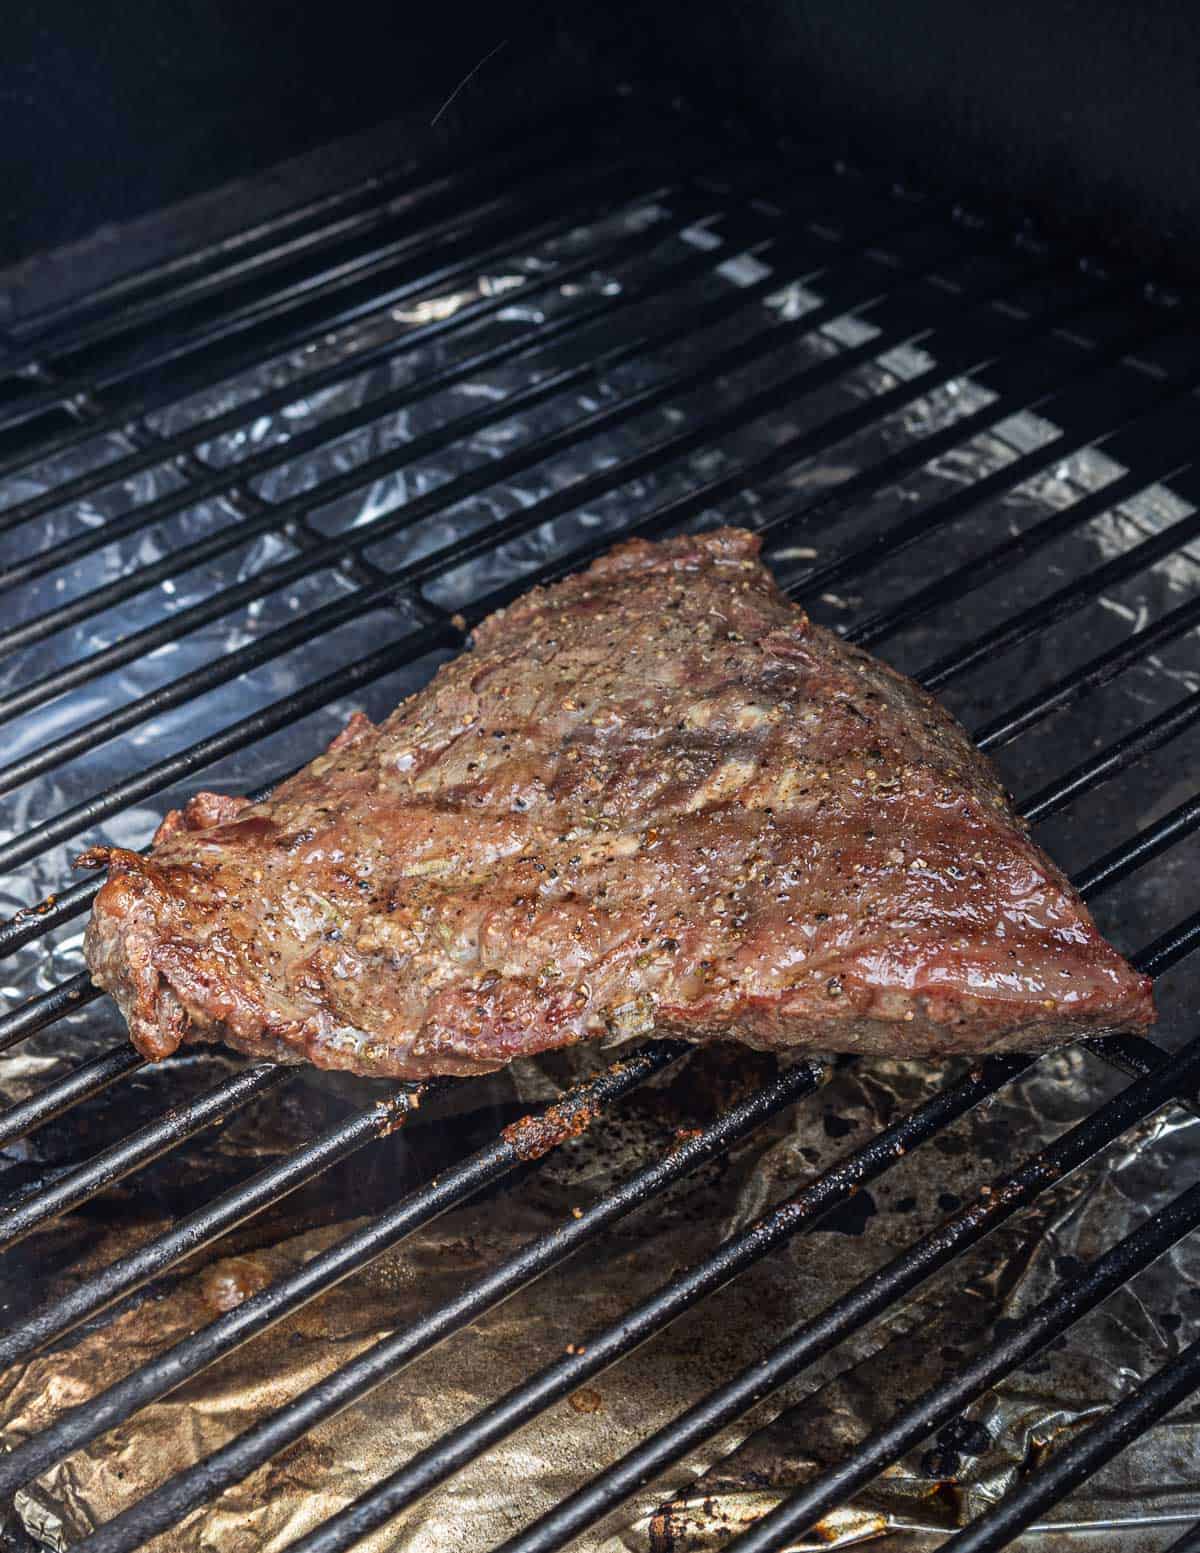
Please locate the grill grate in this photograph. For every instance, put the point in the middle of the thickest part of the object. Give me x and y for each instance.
(804, 277)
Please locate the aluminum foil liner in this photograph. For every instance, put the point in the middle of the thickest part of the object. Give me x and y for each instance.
(1136, 1503)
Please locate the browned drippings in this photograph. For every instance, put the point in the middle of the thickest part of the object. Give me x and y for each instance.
(534, 1136)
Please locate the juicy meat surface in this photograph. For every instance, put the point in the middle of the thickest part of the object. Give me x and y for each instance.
(654, 796)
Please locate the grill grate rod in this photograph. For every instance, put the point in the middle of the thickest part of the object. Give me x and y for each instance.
(195, 1230)
(136, 1150)
(1139, 850)
(71, 821)
(334, 551)
(1091, 676)
(1111, 761)
(1020, 1063)
(1106, 421)
(1083, 1456)
(397, 196)
(89, 1079)
(515, 1146)
(1060, 605)
(393, 284)
(166, 1505)
(794, 1215)
(158, 449)
(369, 274)
(45, 1007)
(208, 481)
(768, 339)
(1166, 951)
(833, 1488)
(1072, 1299)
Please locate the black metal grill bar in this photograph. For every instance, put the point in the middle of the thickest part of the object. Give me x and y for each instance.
(166, 1505)
(31, 923)
(80, 1084)
(1143, 848)
(200, 1228)
(1177, 942)
(1070, 1300)
(1117, 757)
(835, 1487)
(394, 284)
(1060, 605)
(379, 198)
(265, 1309)
(794, 1215)
(230, 318)
(335, 551)
(1076, 1461)
(45, 1007)
(767, 339)
(71, 821)
(374, 190)
(137, 1149)
(1091, 676)
(532, 342)
(1120, 401)
(983, 569)
(161, 448)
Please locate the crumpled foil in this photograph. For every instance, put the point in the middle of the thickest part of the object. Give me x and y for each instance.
(1137, 1503)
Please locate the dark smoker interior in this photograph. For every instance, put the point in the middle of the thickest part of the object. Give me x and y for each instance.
(1079, 114)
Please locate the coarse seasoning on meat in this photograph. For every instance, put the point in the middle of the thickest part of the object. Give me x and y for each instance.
(655, 796)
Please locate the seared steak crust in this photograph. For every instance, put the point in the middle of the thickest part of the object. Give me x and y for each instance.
(655, 796)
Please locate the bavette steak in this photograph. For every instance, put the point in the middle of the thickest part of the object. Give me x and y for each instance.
(655, 796)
